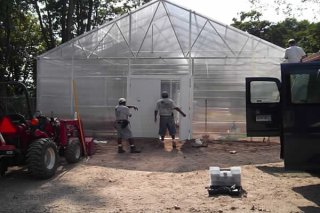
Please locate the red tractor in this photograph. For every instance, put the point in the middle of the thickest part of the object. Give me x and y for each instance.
(35, 140)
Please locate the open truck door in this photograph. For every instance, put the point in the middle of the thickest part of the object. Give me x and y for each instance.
(290, 110)
(300, 100)
(263, 109)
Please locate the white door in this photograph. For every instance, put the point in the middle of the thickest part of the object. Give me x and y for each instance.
(144, 93)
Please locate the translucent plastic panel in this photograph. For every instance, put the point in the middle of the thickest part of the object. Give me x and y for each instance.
(197, 25)
(54, 95)
(89, 42)
(68, 51)
(98, 121)
(180, 19)
(264, 49)
(210, 43)
(140, 24)
(59, 86)
(160, 39)
(159, 67)
(239, 42)
(57, 105)
(97, 91)
(100, 67)
(114, 43)
(97, 99)
(55, 68)
(219, 93)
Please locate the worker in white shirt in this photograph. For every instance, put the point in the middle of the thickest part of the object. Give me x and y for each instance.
(294, 53)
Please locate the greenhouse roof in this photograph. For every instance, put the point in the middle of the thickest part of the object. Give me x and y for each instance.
(167, 30)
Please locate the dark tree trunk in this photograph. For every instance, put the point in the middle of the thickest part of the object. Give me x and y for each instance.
(89, 22)
(70, 20)
(7, 43)
(63, 20)
(43, 28)
(50, 29)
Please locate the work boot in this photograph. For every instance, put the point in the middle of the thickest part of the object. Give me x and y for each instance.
(133, 149)
(121, 150)
(174, 145)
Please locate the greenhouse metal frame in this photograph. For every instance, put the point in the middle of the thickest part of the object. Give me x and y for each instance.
(202, 63)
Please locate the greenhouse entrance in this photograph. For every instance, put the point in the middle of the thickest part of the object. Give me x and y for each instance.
(144, 91)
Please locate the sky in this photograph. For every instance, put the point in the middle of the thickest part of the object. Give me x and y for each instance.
(224, 10)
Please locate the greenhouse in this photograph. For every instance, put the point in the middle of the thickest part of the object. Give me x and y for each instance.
(201, 62)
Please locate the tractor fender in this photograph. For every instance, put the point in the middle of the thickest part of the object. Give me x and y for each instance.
(40, 134)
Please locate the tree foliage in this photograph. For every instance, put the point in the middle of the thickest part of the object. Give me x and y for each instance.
(20, 42)
(63, 20)
(31, 27)
(305, 33)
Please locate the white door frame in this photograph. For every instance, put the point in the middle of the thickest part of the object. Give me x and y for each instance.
(185, 128)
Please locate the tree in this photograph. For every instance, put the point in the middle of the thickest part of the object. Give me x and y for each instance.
(63, 20)
(31, 27)
(289, 8)
(20, 42)
(305, 33)
(251, 23)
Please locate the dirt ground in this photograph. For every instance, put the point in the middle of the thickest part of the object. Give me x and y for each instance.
(162, 179)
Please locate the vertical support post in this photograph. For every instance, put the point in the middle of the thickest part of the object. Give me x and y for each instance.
(82, 138)
(206, 116)
(152, 38)
(72, 87)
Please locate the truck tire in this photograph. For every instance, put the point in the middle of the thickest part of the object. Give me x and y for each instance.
(42, 158)
(73, 151)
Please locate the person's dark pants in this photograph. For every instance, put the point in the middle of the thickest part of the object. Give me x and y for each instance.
(167, 122)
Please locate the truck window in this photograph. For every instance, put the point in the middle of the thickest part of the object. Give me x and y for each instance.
(305, 88)
(264, 92)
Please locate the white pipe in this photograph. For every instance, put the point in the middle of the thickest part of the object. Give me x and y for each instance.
(2, 139)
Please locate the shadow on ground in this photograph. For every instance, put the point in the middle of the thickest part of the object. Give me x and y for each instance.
(155, 157)
(20, 192)
(311, 193)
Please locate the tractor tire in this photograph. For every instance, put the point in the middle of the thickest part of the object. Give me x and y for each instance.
(73, 151)
(42, 158)
(3, 167)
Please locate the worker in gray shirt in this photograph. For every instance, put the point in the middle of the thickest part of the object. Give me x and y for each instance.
(122, 125)
(165, 107)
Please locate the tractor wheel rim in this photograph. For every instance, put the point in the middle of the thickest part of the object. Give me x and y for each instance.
(50, 158)
(78, 152)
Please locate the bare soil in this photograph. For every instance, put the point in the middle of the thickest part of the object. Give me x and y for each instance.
(162, 179)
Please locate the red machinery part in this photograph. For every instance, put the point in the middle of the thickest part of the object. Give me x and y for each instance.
(6, 126)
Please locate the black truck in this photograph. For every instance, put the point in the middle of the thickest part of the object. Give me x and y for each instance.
(290, 109)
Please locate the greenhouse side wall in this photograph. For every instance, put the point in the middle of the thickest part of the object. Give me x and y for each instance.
(54, 90)
(98, 85)
(219, 95)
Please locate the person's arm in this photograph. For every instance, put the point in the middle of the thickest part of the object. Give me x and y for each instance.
(155, 115)
(180, 111)
(134, 107)
(304, 55)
